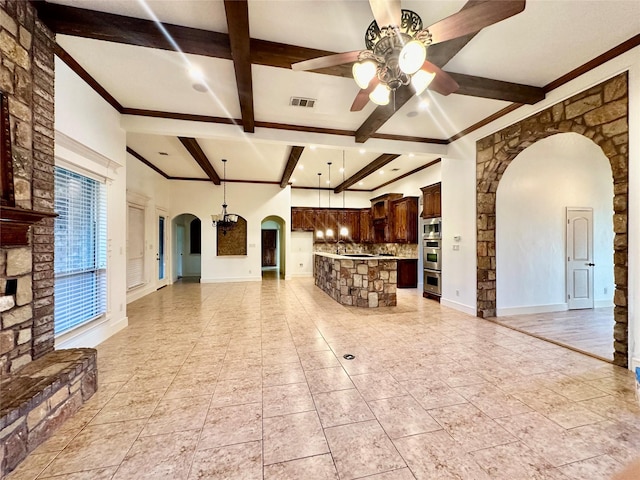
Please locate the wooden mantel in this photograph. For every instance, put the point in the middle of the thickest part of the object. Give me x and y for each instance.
(15, 223)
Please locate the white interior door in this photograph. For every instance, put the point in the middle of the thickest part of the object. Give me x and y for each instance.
(580, 258)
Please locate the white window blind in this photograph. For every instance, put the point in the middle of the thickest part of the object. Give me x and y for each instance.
(135, 246)
(80, 261)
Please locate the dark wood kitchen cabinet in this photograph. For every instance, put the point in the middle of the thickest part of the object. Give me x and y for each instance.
(407, 273)
(431, 202)
(404, 220)
(366, 226)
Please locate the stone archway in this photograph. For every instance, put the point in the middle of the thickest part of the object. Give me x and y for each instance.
(600, 114)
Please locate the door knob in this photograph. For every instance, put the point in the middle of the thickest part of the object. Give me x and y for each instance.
(590, 264)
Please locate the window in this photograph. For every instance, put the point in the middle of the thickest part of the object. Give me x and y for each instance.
(80, 261)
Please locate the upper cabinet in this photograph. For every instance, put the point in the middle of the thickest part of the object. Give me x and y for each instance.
(381, 206)
(366, 226)
(390, 219)
(431, 203)
(404, 213)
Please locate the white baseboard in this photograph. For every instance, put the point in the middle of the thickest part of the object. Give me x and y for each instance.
(231, 280)
(602, 303)
(458, 306)
(554, 307)
(92, 334)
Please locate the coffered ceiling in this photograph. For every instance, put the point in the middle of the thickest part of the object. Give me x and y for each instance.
(138, 55)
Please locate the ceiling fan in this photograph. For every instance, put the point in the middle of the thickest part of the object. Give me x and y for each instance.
(396, 53)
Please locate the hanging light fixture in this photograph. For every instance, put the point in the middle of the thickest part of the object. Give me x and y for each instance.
(329, 233)
(344, 231)
(225, 221)
(396, 56)
(319, 232)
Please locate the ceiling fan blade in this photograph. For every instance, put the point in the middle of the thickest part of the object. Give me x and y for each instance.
(442, 83)
(386, 12)
(362, 98)
(327, 61)
(474, 19)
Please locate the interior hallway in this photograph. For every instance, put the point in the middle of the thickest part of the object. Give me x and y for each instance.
(248, 380)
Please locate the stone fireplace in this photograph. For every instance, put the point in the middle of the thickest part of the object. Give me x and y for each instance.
(40, 387)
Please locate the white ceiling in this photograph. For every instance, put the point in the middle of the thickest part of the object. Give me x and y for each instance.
(549, 39)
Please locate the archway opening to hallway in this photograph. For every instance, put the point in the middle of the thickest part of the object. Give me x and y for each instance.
(272, 247)
(187, 251)
(601, 115)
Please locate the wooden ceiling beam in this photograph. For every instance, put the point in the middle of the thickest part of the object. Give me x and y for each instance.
(378, 163)
(191, 144)
(238, 26)
(145, 33)
(135, 154)
(85, 23)
(497, 90)
(294, 156)
(382, 113)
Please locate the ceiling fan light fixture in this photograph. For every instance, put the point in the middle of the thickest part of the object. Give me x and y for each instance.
(412, 56)
(421, 80)
(363, 72)
(380, 94)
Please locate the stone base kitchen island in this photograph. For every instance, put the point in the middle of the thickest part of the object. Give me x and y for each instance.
(365, 280)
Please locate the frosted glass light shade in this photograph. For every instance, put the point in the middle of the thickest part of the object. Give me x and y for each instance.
(319, 234)
(380, 94)
(344, 231)
(412, 57)
(329, 233)
(421, 80)
(363, 72)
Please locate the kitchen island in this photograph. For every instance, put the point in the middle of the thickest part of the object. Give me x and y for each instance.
(360, 280)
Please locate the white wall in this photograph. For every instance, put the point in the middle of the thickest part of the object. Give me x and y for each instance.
(565, 170)
(253, 202)
(154, 192)
(304, 197)
(89, 140)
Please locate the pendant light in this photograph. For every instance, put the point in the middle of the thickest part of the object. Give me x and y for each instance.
(344, 231)
(329, 233)
(225, 221)
(319, 232)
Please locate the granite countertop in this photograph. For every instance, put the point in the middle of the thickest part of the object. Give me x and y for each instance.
(363, 256)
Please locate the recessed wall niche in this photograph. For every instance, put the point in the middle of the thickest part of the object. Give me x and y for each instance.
(234, 241)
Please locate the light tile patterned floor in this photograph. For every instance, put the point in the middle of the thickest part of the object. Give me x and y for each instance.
(248, 381)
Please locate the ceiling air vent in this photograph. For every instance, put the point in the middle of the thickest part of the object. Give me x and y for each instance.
(302, 102)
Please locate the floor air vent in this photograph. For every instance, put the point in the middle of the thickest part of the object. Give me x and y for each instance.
(302, 102)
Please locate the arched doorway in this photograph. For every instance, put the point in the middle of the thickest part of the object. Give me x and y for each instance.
(538, 192)
(187, 241)
(273, 246)
(600, 114)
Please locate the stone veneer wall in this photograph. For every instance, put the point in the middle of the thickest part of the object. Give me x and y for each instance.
(27, 78)
(356, 282)
(406, 250)
(599, 113)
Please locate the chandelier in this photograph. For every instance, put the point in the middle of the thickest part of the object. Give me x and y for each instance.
(225, 221)
(394, 57)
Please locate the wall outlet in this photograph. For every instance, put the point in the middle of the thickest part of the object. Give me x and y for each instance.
(606, 290)
(457, 293)
(456, 247)
(301, 267)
